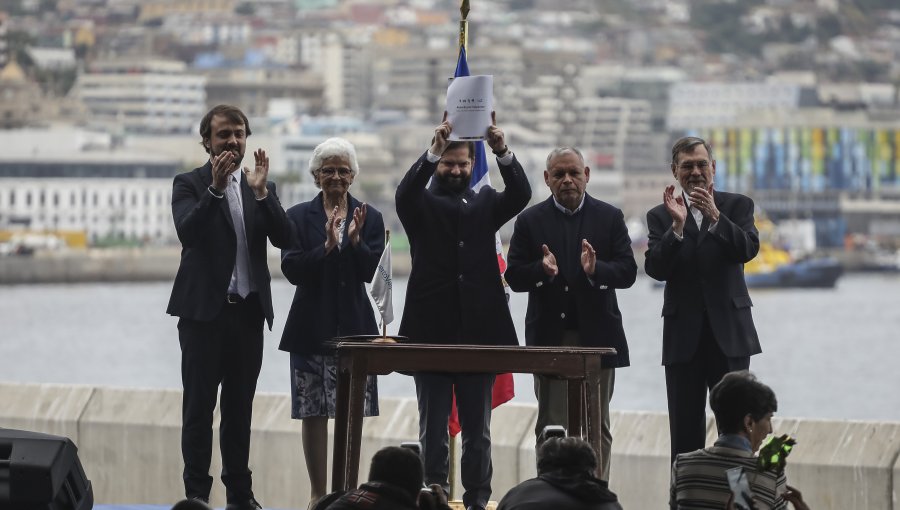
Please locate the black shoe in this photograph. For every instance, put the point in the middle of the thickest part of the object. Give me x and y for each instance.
(200, 499)
(250, 504)
(474, 507)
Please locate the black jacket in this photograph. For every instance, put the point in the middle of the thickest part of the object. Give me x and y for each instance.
(455, 294)
(560, 491)
(331, 298)
(704, 274)
(375, 496)
(208, 244)
(599, 318)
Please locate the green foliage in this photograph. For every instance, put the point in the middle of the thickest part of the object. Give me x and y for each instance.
(516, 5)
(245, 9)
(828, 26)
(113, 241)
(721, 28)
(56, 82)
(862, 70)
(787, 32)
(870, 5)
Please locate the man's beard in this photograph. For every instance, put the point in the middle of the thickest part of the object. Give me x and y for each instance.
(454, 184)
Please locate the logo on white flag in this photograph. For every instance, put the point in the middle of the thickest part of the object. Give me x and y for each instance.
(382, 285)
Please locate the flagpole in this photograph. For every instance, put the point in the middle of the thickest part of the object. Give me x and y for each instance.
(464, 25)
(463, 43)
(387, 240)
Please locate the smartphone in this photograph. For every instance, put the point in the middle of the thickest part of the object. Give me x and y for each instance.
(740, 487)
(412, 445)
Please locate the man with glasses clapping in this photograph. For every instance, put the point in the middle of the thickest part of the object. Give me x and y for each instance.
(699, 240)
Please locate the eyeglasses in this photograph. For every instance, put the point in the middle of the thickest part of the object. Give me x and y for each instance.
(689, 166)
(461, 164)
(329, 171)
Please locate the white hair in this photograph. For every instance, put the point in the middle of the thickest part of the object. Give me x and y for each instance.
(333, 147)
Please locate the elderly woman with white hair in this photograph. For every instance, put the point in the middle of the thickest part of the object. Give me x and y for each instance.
(335, 247)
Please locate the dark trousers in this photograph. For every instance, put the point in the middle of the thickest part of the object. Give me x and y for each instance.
(226, 351)
(686, 387)
(434, 392)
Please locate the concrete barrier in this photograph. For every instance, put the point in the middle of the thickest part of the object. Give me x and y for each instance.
(48, 408)
(843, 464)
(129, 444)
(122, 265)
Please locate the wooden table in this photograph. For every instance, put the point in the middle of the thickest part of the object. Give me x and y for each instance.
(580, 366)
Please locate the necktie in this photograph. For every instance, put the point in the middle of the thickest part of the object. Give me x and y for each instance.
(242, 259)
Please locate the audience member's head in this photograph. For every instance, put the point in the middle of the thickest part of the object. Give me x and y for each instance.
(566, 454)
(190, 504)
(737, 395)
(743, 406)
(400, 467)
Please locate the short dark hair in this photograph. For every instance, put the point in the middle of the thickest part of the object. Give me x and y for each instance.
(459, 143)
(737, 395)
(687, 143)
(232, 113)
(398, 466)
(191, 504)
(567, 454)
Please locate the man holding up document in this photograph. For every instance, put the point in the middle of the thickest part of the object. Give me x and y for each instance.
(455, 294)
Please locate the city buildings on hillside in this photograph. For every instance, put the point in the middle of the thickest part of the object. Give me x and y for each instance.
(799, 99)
(142, 96)
(254, 88)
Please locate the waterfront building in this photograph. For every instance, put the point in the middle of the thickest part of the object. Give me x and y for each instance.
(841, 171)
(142, 96)
(253, 88)
(21, 100)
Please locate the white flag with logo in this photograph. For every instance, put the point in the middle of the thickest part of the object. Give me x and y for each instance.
(382, 285)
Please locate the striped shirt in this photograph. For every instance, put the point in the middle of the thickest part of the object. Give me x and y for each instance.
(699, 480)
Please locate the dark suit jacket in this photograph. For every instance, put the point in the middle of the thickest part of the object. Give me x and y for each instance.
(455, 294)
(561, 490)
(704, 273)
(208, 244)
(330, 299)
(599, 319)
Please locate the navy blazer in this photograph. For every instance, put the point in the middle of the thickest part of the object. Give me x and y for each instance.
(209, 246)
(455, 294)
(331, 298)
(704, 274)
(599, 318)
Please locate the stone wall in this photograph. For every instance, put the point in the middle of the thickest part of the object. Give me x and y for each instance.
(129, 444)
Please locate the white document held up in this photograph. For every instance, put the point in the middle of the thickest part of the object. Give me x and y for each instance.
(470, 101)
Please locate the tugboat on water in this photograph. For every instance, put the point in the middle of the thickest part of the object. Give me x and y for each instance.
(775, 268)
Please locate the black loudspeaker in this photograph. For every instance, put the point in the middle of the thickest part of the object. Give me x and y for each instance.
(41, 472)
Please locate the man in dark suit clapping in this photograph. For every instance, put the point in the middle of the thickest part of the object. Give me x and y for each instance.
(223, 216)
(570, 252)
(699, 240)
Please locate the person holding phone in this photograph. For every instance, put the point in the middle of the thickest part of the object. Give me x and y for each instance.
(395, 483)
(743, 407)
